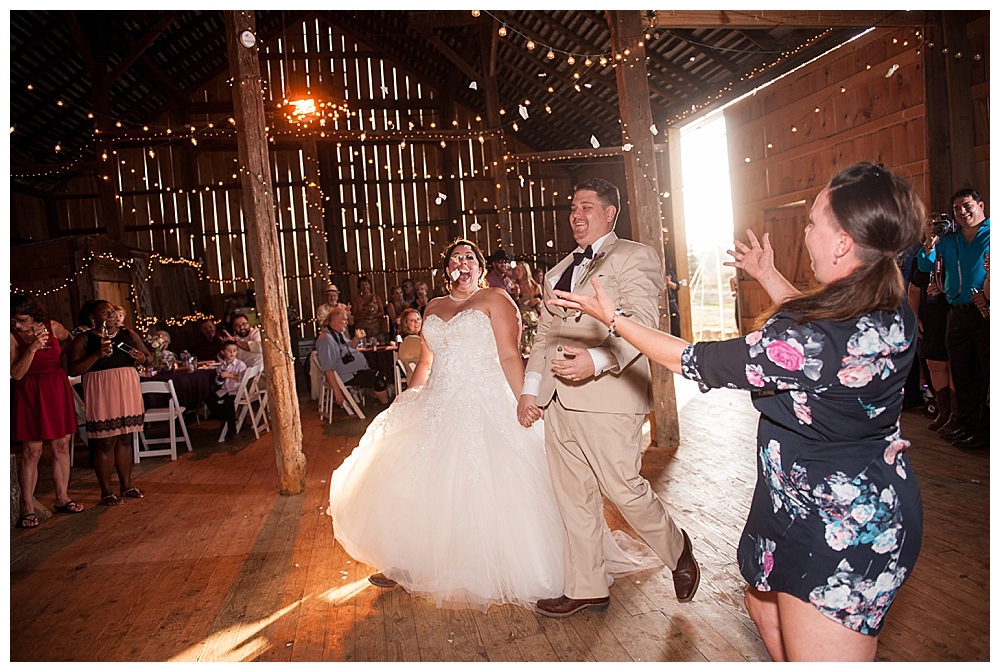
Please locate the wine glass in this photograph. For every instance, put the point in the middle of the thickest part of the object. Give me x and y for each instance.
(40, 329)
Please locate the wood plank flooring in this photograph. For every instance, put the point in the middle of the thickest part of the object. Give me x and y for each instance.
(215, 565)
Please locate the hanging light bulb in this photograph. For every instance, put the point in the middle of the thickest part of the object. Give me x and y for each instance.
(587, 62)
(571, 60)
(530, 45)
(475, 13)
(503, 31)
(550, 55)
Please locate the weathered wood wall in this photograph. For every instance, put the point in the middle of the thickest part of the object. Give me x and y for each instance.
(360, 195)
(861, 102)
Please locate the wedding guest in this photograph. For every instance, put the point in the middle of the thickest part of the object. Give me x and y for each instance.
(250, 351)
(409, 291)
(113, 397)
(210, 344)
(228, 378)
(337, 353)
(835, 524)
(331, 299)
(83, 319)
(422, 297)
(410, 323)
(499, 274)
(42, 408)
(394, 308)
(367, 309)
(528, 292)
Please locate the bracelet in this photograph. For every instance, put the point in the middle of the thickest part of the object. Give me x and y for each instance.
(611, 325)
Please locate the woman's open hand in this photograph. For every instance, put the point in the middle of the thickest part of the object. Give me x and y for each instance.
(598, 306)
(756, 260)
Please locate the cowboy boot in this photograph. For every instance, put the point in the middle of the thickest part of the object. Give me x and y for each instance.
(943, 397)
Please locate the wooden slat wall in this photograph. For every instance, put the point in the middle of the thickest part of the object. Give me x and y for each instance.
(383, 217)
(864, 114)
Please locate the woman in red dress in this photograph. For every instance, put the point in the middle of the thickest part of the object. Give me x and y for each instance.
(113, 397)
(43, 403)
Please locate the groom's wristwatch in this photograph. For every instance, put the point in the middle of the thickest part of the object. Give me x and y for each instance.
(611, 325)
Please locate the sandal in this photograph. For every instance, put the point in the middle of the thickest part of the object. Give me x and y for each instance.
(28, 520)
(134, 493)
(69, 507)
(111, 500)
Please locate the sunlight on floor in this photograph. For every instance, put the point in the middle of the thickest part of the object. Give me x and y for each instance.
(341, 594)
(223, 645)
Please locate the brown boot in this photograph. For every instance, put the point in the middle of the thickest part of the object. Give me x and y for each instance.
(943, 397)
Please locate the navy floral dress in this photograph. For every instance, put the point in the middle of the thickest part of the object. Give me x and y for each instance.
(836, 517)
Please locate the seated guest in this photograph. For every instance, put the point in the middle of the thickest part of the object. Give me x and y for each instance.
(410, 323)
(210, 345)
(331, 299)
(337, 353)
(228, 378)
(247, 339)
(394, 308)
(421, 297)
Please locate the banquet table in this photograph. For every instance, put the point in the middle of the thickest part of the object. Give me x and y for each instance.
(192, 387)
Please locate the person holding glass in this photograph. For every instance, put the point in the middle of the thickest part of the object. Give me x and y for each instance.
(42, 403)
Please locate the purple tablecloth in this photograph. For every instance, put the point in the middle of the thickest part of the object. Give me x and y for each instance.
(192, 388)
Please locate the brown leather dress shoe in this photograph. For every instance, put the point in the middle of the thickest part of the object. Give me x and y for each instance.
(381, 580)
(561, 607)
(688, 574)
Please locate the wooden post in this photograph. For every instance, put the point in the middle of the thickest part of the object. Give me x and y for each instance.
(488, 42)
(643, 193)
(265, 254)
(314, 215)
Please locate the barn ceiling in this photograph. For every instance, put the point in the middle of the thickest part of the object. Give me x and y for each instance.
(150, 63)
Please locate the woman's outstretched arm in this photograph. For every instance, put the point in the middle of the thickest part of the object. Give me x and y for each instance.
(758, 262)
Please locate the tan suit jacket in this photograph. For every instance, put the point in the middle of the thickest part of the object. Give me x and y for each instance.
(630, 275)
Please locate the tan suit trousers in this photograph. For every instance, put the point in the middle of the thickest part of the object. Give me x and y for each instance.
(590, 454)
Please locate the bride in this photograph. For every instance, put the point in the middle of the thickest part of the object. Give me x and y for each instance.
(447, 493)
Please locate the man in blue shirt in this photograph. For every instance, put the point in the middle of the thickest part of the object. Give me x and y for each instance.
(336, 353)
(959, 257)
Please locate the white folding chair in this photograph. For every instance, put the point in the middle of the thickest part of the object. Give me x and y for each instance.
(81, 420)
(173, 415)
(402, 374)
(252, 394)
(327, 399)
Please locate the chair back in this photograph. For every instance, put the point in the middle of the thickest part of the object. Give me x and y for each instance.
(160, 387)
(249, 382)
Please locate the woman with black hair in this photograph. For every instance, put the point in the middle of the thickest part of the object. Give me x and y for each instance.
(42, 404)
(836, 519)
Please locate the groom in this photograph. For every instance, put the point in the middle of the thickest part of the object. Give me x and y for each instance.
(595, 390)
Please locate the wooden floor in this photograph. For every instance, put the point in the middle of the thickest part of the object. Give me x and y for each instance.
(215, 565)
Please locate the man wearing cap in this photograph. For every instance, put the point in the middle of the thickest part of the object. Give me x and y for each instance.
(499, 275)
(332, 295)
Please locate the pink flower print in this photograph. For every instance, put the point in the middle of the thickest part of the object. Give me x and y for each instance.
(755, 375)
(753, 338)
(858, 374)
(768, 563)
(894, 448)
(801, 408)
(787, 355)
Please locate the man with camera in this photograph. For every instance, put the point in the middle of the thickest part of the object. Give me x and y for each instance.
(337, 353)
(954, 252)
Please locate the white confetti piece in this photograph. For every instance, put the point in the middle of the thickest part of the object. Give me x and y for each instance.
(475, 226)
(654, 130)
(588, 85)
(443, 197)
(523, 111)
(385, 90)
(627, 147)
(454, 274)
(522, 180)
(594, 143)
(473, 86)
(894, 68)
(548, 243)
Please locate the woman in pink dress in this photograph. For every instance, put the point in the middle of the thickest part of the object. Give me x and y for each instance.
(43, 403)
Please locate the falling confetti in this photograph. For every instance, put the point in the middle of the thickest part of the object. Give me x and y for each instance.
(523, 111)
(594, 142)
(385, 90)
(454, 274)
(473, 86)
(627, 147)
(443, 197)
(522, 181)
(894, 68)
(475, 226)
(654, 130)
(548, 243)
(588, 85)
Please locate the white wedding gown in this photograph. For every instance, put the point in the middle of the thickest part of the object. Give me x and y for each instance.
(450, 496)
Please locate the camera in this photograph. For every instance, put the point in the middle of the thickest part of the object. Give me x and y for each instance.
(347, 358)
(944, 225)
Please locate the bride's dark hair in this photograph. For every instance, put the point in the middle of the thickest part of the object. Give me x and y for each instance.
(458, 242)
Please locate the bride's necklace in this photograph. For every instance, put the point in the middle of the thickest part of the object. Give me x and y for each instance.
(471, 294)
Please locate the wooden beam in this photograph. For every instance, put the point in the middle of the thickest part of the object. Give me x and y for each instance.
(936, 121)
(488, 43)
(739, 20)
(449, 53)
(265, 252)
(961, 110)
(643, 194)
(706, 50)
(137, 48)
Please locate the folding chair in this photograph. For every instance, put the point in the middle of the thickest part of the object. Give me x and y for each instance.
(248, 395)
(402, 374)
(173, 415)
(81, 420)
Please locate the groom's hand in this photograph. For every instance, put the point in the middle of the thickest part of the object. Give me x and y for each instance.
(579, 366)
(528, 410)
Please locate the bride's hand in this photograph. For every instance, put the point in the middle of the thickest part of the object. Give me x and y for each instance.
(756, 260)
(598, 306)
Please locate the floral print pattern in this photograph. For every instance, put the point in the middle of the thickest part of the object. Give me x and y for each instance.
(836, 517)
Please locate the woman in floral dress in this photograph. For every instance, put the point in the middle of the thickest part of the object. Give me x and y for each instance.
(836, 519)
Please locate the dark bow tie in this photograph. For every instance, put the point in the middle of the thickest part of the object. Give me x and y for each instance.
(578, 257)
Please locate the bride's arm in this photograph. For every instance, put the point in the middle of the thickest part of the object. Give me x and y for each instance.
(419, 375)
(506, 322)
